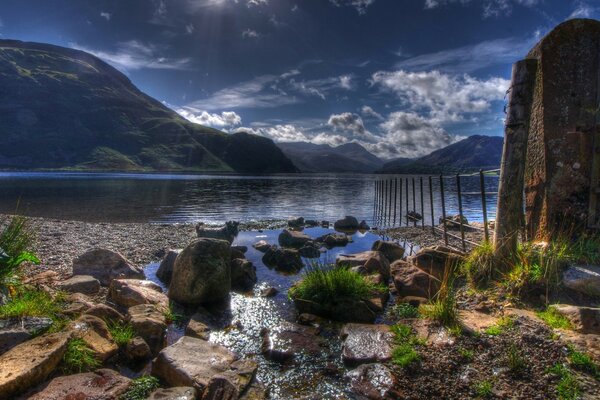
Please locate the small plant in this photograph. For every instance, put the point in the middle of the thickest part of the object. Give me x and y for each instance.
(16, 243)
(405, 311)
(121, 332)
(79, 357)
(30, 303)
(484, 389)
(554, 319)
(567, 387)
(481, 264)
(174, 317)
(586, 249)
(467, 354)
(443, 309)
(583, 362)
(404, 353)
(514, 360)
(141, 388)
(503, 324)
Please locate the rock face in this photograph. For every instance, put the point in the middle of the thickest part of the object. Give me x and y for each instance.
(412, 281)
(560, 153)
(309, 250)
(347, 224)
(226, 232)
(96, 335)
(390, 250)
(106, 313)
(195, 362)
(283, 259)
(243, 274)
(365, 343)
(174, 393)
(583, 279)
(150, 324)
(202, 274)
(165, 269)
(372, 261)
(285, 341)
(374, 381)
(103, 384)
(137, 350)
(131, 292)
(436, 260)
(105, 265)
(583, 319)
(30, 363)
(80, 284)
(296, 239)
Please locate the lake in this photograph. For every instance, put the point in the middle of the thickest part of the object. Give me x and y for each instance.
(178, 198)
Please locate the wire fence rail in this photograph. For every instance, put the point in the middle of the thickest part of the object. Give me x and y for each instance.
(413, 201)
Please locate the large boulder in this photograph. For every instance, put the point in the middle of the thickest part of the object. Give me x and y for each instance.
(342, 309)
(94, 332)
(150, 324)
(103, 384)
(583, 278)
(412, 281)
(288, 238)
(392, 251)
(583, 319)
(366, 343)
(137, 350)
(347, 224)
(436, 260)
(287, 340)
(372, 261)
(243, 274)
(202, 274)
(86, 284)
(18, 330)
(226, 232)
(196, 363)
(30, 363)
(374, 382)
(105, 265)
(283, 259)
(131, 292)
(165, 269)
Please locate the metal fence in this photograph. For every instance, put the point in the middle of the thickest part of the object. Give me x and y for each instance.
(416, 201)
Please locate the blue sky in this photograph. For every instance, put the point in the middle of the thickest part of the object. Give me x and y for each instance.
(401, 77)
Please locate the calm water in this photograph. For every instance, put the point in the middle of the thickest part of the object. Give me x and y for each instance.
(163, 198)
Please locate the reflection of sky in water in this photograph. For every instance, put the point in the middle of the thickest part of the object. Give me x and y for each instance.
(250, 314)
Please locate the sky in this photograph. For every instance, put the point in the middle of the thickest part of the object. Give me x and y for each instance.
(400, 77)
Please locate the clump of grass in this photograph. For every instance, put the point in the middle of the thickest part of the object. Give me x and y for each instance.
(554, 319)
(326, 283)
(171, 316)
(16, 243)
(121, 332)
(503, 325)
(404, 311)
(443, 308)
(79, 357)
(514, 360)
(584, 363)
(141, 388)
(586, 249)
(481, 264)
(30, 303)
(467, 354)
(484, 389)
(567, 387)
(404, 353)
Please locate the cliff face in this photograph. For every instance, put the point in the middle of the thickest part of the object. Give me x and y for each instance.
(64, 108)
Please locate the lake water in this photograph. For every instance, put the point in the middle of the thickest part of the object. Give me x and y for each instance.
(170, 198)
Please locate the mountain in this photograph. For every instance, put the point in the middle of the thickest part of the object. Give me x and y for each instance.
(66, 109)
(350, 157)
(470, 154)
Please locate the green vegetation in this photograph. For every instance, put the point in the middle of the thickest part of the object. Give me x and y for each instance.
(443, 308)
(31, 303)
(467, 354)
(483, 389)
(480, 265)
(326, 283)
(586, 249)
(16, 242)
(554, 319)
(584, 363)
(404, 352)
(567, 387)
(404, 311)
(79, 357)
(172, 316)
(514, 360)
(503, 324)
(121, 332)
(141, 388)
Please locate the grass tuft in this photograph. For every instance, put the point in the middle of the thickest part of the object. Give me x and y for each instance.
(16, 242)
(514, 360)
(444, 309)
(141, 388)
(404, 311)
(480, 265)
(484, 389)
(467, 354)
(503, 325)
(554, 319)
(404, 353)
(584, 363)
(30, 303)
(121, 332)
(567, 388)
(79, 358)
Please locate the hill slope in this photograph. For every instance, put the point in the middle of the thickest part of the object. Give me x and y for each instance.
(64, 108)
(470, 154)
(350, 157)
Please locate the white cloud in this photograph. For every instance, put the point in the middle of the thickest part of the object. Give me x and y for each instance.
(251, 34)
(279, 133)
(360, 5)
(134, 55)
(584, 10)
(295, 8)
(348, 122)
(226, 119)
(190, 28)
(105, 15)
(367, 111)
(251, 3)
(490, 8)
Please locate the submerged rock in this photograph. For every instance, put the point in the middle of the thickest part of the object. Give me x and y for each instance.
(363, 226)
(332, 240)
(86, 284)
(365, 343)
(103, 384)
(285, 341)
(105, 265)
(243, 274)
(310, 250)
(295, 239)
(261, 246)
(374, 381)
(165, 269)
(283, 259)
(347, 224)
(269, 292)
(226, 232)
(296, 222)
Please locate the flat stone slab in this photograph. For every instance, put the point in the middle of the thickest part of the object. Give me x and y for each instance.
(103, 384)
(133, 292)
(583, 319)
(374, 381)
(17, 330)
(287, 340)
(150, 323)
(105, 265)
(583, 278)
(365, 343)
(86, 284)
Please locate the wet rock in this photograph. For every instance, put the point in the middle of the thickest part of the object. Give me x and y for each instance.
(347, 224)
(324, 224)
(261, 246)
(103, 384)
(256, 391)
(583, 278)
(198, 327)
(283, 259)
(202, 274)
(343, 310)
(18, 330)
(165, 269)
(137, 350)
(174, 393)
(332, 240)
(226, 232)
(195, 362)
(374, 381)
(106, 313)
(433, 333)
(295, 239)
(94, 332)
(392, 251)
(311, 223)
(372, 261)
(269, 292)
(131, 292)
(414, 216)
(412, 281)
(243, 274)
(30, 363)
(285, 341)
(105, 265)
(296, 222)
(365, 343)
(241, 249)
(309, 319)
(583, 319)
(150, 324)
(435, 260)
(80, 284)
(363, 226)
(309, 250)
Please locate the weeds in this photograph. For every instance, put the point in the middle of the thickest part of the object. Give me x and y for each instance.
(484, 389)
(404, 311)
(141, 388)
(480, 264)
(584, 363)
(122, 333)
(30, 303)
(554, 319)
(79, 357)
(467, 354)
(172, 316)
(503, 325)
(443, 309)
(514, 360)
(16, 242)
(567, 387)
(404, 353)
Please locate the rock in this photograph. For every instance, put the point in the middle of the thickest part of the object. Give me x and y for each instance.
(363, 226)
(131, 292)
(105, 265)
(18, 330)
(43, 278)
(106, 313)
(343, 310)
(78, 303)
(197, 327)
(296, 222)
(165, 269)
(347, 224)
(269, 292)
(283, 259)
(332, 240)
(241, 249)
(453, 221)
(256, 391)
(96, 335)
(414, 216)
(150, 324)
(324, 224)
(412, 281)
(174, 393)
(309, 250)
(390, 250)
(261, 246)
(309, 319)
(283, 342)
(583, 278)
(30, 363)
(373, 261)
(195, 362)
(311, 223)
(364, 343)
(583, 319)
(202, 274)
(226, 232)
(295, 239)
(103, 384)
(80, 284)
(434, 260)
(137, 350)
(243, 275)
(374, 381)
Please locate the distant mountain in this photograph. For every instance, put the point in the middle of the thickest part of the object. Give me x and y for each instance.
(66, 109)
(350, 157)
(470, 154)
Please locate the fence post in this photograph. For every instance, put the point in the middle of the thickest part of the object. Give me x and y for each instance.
(400, 216)
(431, 204)
(460, 212)
(390, 201)
(407, 206)
(395, 199)
(422, 204)
(486, 231)
(443, 209)
(414, 202)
